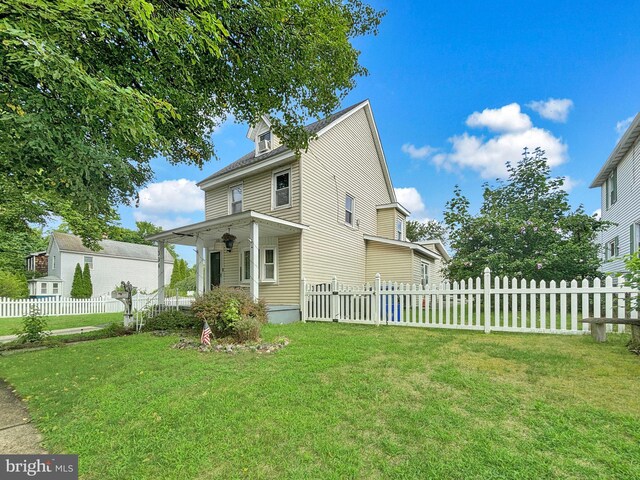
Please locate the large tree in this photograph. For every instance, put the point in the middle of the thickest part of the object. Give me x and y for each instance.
(429, 230)
(525, 228)
(91, 91)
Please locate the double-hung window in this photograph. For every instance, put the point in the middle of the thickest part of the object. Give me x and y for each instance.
(349, 208)
(612, 249)
(267, 266)
(282, 189)
(235, 199)
(43, 288)
(56, 290)
(88, 261)
(612, 188)
(399, 229)
(245, 265)
(425, 273)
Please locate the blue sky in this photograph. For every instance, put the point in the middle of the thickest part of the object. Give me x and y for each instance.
(457, 88)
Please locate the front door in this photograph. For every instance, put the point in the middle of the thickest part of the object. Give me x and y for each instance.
(215, 264)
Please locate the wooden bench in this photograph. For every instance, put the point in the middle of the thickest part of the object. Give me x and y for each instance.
(599, 326)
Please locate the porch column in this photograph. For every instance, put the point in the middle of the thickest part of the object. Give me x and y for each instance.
(199, 265)
(161, 272)
(254, 257)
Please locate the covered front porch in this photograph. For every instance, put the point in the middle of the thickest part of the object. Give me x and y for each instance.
(248, 250)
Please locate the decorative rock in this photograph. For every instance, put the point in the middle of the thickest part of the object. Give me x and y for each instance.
(232, 348)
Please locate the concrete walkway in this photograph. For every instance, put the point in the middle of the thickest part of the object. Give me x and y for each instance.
(62, 331)
(17, 434)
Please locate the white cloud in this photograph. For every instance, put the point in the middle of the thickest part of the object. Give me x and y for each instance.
(597, 213)
(166, 222)
(489, 157)
(570, 183)
(622, 125)
(411, 199)
(505, 119)
(171, 196)
(555, 109)
(417, 153)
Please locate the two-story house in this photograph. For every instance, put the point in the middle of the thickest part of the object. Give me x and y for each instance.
(273, 218)
(619, 182)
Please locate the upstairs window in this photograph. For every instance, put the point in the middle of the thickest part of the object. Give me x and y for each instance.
(88, 261)
(399, 229)
(282, 189)
(349, 204)
(264, 142)
(235, 199)
(612, 188)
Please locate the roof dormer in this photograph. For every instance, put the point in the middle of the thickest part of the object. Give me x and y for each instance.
(261, 135)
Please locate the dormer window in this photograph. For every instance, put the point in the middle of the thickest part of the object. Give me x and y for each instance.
(264, 142)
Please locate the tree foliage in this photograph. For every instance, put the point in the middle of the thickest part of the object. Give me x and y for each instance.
(77, 287)
(525, 228)
(430, 230)
(92, 90)
(15, 246)
(87, 285)
(13, 285)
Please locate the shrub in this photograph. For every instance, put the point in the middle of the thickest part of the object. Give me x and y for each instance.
(246, 329)
(223, 307)
(172, 320)
(13, 285)
(87, 285)
(33, 327)
(77, 290)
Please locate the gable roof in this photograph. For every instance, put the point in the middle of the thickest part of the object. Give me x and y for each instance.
(110, 248)
(622, 148)
(315, 128)
(438, 245)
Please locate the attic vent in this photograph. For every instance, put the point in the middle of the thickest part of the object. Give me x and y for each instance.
(264, 145)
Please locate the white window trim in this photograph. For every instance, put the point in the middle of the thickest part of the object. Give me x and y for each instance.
(55, 288)
(401, 230)
(424, 264)
(263, 258)
(44, 288)
(261, 265)
(230, 197)
(353, 210)
(273, 189)
(84, 261)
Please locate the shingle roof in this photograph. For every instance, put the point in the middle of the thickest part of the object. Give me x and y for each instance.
(251, 158)
(112, 248)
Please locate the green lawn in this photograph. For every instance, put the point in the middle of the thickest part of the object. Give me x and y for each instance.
(341, 401)
(9, 325)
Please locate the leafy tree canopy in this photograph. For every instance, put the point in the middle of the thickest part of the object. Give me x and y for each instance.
(525, 228)
(430, 230)
(92, 90)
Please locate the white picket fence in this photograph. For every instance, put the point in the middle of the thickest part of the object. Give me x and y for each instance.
(12, 307)
(487, 304)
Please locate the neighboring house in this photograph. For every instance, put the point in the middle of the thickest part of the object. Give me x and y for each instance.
(37, 262)
(619, 182)
(329, 211)
(115, 262)
(438, 247)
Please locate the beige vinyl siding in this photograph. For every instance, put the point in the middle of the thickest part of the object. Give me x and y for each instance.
(625, 211)
(387, 222)
(287, 289)
(393, 263)
(435, 269)
(256, 195)
(344, 160)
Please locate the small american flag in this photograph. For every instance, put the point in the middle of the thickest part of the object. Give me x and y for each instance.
(205, 337)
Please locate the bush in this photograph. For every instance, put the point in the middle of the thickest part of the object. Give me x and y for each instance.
(246, 329)
(13, 285)
(34, 327)
(223, 307)
(172, 320)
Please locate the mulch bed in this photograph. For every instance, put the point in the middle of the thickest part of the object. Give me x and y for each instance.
(225, 347)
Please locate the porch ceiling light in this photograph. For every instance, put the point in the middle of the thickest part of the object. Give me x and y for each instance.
(228, 240)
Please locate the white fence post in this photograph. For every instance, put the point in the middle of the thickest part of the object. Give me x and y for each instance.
(487, 300)
(376, 300)
(303, 296)
(334, 299)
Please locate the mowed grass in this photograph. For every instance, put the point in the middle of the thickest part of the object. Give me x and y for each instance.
(8, 326)
(341, 401)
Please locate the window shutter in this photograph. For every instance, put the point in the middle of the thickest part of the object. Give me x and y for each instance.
(606, 193)
(614, 195)
(605, 247)
(632, 240)
(617, 249)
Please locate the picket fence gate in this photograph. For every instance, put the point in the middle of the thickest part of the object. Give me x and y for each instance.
(487, 304)
(50, 306)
